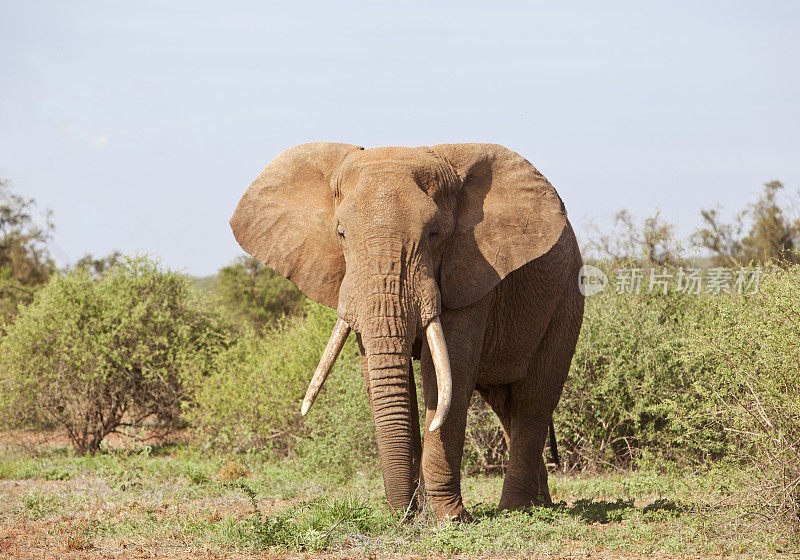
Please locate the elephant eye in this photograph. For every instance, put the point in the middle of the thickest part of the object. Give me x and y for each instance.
(434, 229)
(340, 230)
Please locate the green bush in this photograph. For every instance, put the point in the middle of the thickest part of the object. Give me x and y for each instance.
(13, 294)
(485, 446)
(694, 379)
(340, 435)
(257, 293)
(749, 353)
(631, 393)
(627, 396)
(252, 400)
(95, 354)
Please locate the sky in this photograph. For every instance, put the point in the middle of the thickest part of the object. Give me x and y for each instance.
(141, 123)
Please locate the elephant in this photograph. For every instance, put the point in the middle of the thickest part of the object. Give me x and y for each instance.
(458, 255)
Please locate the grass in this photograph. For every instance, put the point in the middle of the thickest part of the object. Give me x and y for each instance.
(183, 499)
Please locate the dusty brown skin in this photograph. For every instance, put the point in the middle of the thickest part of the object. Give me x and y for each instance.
(394, 238)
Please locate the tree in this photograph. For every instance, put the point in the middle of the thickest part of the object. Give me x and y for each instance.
(25, 262)
(99, 266)
(772, 235)
(652, 242)
(257, 293)
(723, 240)
(94, 355)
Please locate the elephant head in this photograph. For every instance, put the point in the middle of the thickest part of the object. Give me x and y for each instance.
(389, 237)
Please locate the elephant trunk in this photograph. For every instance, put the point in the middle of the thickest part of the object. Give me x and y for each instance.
(389, 381)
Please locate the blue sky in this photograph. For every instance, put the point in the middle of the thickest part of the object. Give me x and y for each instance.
(141, 123)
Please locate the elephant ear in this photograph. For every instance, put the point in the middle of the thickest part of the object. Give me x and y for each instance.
(285, 219)
(507, 215)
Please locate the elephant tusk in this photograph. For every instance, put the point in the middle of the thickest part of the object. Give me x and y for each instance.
(441, 363)
(338, 337)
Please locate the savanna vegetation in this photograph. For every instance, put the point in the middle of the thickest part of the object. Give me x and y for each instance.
(141, 414)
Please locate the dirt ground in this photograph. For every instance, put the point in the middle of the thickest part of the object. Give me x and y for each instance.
(49, 519)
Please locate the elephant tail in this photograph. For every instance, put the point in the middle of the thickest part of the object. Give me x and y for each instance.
(554, 457)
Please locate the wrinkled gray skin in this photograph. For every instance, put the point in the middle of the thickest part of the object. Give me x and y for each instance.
(395, 237)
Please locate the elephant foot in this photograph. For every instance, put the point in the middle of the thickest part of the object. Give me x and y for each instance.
(517, 502)
(445, 512)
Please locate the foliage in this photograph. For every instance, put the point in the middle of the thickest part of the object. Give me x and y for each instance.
(767, 230)
(13, 294)
(23, 242)
(252, 400)
(629, 390)
(643, 380)
(340, 436)
(689, 379)
(99, 265)
(25, 262)
(485, 446)
(749, 353)
(94, 355)
(773, 234)
(634, 393)
(724, 240)
(257, 293)
(652, 242)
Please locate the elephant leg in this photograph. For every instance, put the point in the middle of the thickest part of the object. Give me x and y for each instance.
(525, 483)
(442, 449)
(532, 402)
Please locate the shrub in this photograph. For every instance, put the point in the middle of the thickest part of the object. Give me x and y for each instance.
(13, 294)
(257, 293)
(339, 431)
(247, 401)
(485, 446)
(750, 354)
(690, 378)
(252, 400)
(96, 354)
(630, 391)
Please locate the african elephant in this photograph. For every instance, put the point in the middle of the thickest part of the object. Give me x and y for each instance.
(460, 255)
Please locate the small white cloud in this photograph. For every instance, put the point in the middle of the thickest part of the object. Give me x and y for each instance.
(80, 138)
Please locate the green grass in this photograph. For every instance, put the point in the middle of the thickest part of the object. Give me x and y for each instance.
(37, 504)
(176, 497)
